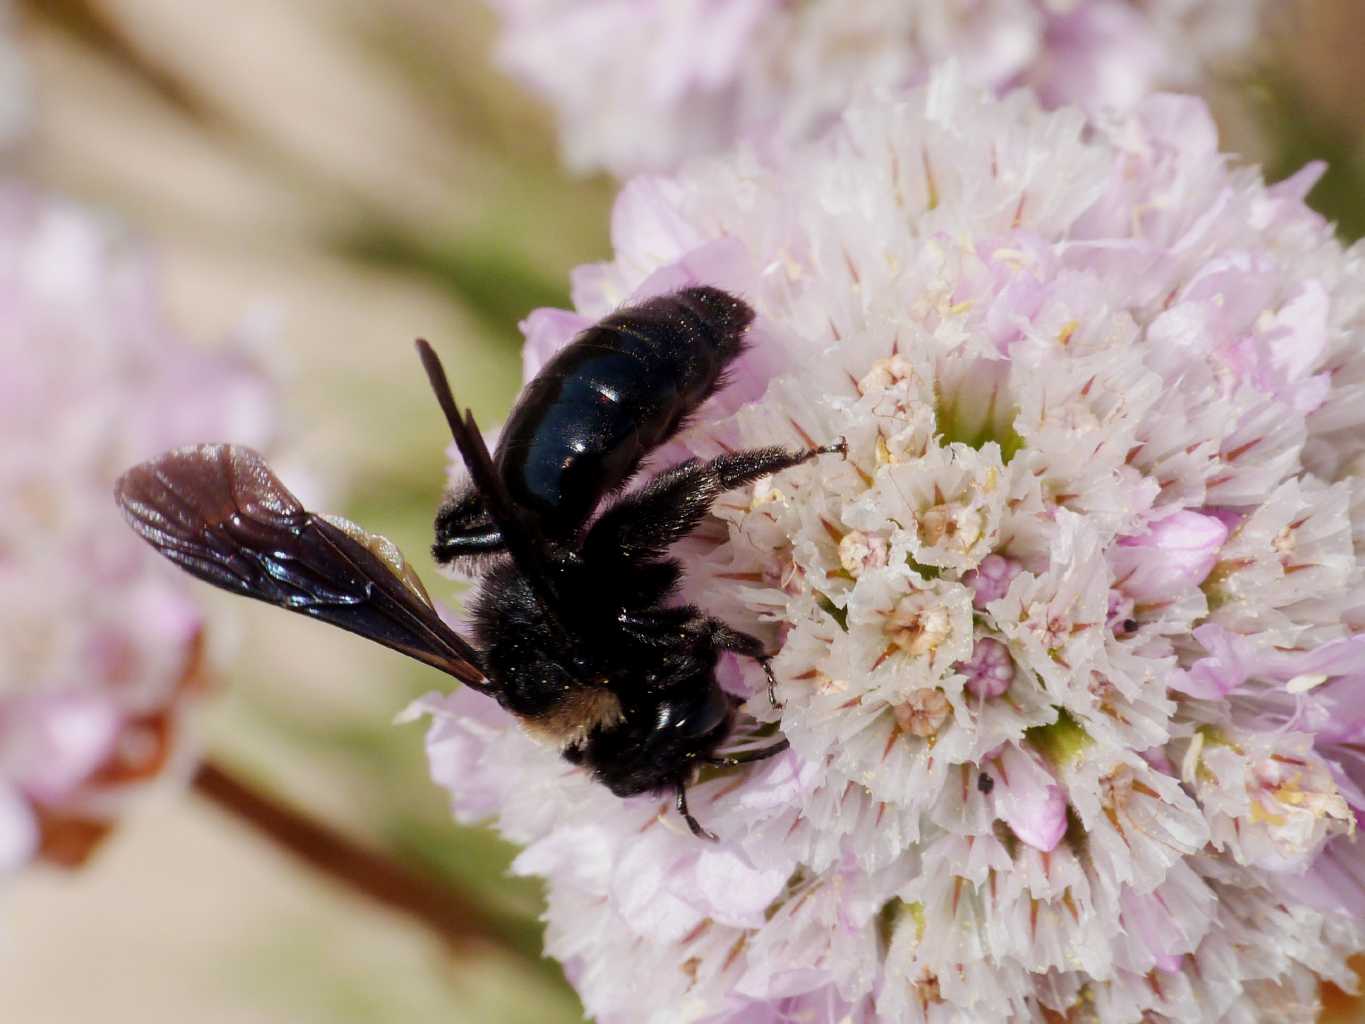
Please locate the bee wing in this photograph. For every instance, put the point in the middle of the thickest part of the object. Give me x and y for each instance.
(219, 513)
(526, 551)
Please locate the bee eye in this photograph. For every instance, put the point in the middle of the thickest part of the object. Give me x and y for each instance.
(695, 718)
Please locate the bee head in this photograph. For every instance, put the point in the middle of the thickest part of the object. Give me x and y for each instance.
(655, 746)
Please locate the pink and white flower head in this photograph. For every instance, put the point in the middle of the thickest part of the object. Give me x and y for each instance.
(99, 641)
(638, 85)
(1072, 643)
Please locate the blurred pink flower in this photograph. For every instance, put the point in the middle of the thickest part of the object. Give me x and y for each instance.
(640, 85)
(1104, 395)
(100, 642)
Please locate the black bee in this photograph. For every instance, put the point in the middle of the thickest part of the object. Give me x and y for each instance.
(574, 630)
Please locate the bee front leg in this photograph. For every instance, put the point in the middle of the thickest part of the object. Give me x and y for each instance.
(724, 638)
(643, 524)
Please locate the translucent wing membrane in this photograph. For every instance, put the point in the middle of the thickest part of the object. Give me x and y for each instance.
(219, 513)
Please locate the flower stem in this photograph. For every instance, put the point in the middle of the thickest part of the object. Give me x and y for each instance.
(460, 923)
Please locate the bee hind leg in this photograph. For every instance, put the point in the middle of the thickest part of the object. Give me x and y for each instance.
(697, 829)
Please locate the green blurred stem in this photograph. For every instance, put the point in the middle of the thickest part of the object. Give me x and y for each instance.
(456, 920)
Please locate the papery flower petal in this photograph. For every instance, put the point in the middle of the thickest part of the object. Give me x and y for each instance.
(1175, 554)
(1028, 799)
(1270, 800)
(1334, 881)
(1225, 668)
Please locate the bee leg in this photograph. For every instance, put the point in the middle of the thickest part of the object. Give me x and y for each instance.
(749, 756)
(739, 468)
(692, 823)
(766, 660)
(450, 547)
(643, 524)
(464, 532)
(726, 639)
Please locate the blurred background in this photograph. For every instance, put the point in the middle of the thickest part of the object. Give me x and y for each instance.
(353, 175)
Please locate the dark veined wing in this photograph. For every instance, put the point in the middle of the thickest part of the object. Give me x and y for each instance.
(525, 550)
(219, 513)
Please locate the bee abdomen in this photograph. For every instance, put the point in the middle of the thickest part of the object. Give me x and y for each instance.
(620, 389)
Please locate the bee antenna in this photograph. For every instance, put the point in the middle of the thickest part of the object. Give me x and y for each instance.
(436, 374)
(527, 555)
